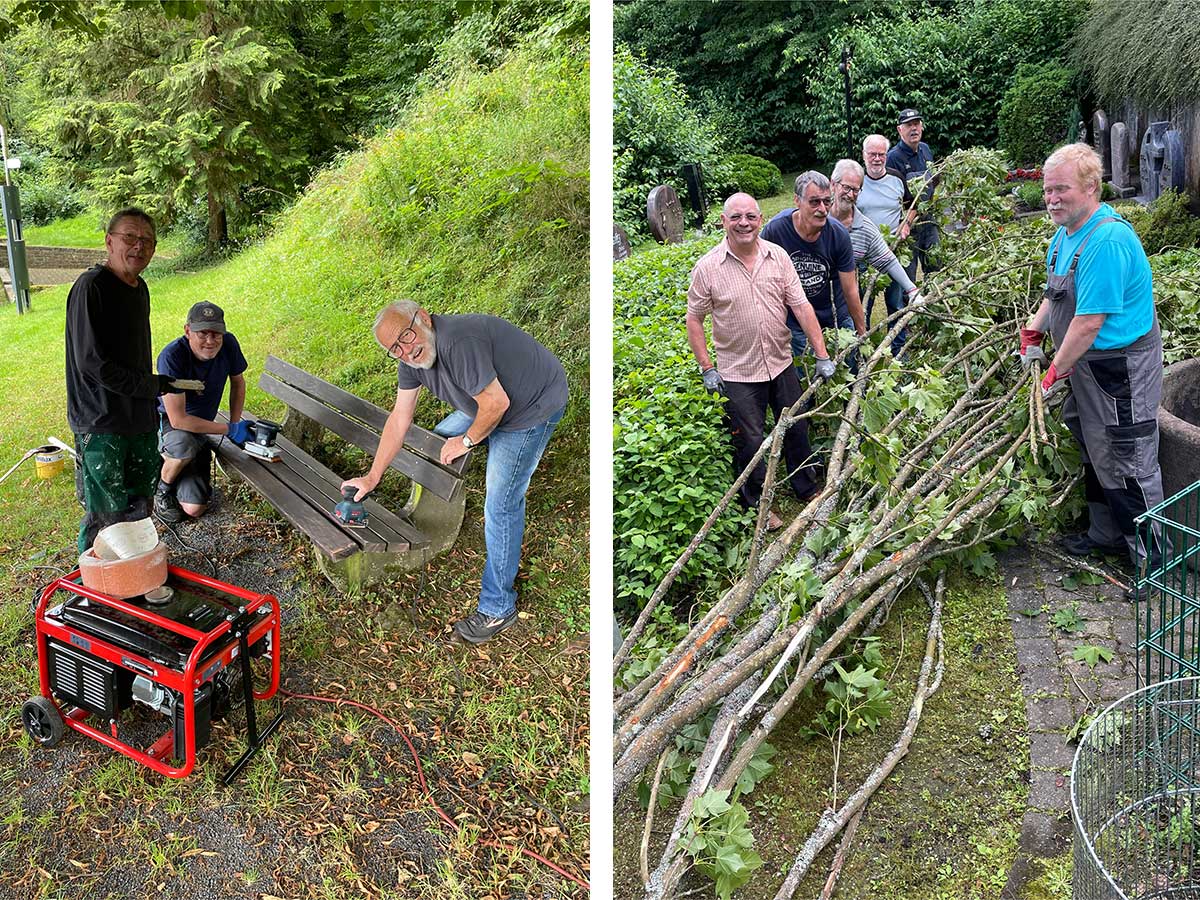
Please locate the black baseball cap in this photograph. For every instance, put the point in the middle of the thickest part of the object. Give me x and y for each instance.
(909, 115)
(205, 316)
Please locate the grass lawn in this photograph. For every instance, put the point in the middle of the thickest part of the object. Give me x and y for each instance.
(331, 808)
(83, 230)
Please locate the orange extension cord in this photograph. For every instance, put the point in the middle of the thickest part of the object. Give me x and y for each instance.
(425, 788)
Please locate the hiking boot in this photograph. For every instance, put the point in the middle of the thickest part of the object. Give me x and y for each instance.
(167, 508)
(478, 628)
(1082, 545)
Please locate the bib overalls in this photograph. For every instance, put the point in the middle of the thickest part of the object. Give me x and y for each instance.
(1113, 413)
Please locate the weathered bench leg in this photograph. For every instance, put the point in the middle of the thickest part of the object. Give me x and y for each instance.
(364, 569)
(440, 520)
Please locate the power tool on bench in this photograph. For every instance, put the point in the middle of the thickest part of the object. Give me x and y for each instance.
(350, 512)
(262, 440)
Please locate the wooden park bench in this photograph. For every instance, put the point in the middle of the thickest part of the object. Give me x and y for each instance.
(305, 491)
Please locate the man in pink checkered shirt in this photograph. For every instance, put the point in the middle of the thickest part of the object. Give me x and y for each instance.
(748, 285)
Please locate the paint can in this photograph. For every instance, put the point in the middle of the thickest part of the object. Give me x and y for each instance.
(48, 461)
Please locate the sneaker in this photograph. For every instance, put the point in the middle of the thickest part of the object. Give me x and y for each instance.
(478, 628)
(1082, 545)
(167, 508)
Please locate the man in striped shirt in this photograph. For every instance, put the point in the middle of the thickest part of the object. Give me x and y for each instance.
(748, 285)
(869, 245)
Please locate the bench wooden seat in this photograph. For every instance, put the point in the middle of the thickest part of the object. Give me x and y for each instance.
(305, 491)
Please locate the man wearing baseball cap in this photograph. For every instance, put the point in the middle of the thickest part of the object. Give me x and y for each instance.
(911, 157)
(206, 352)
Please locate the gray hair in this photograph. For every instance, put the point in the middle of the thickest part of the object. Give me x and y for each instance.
(845, 167)
(871, 138)
(804, 179)
(130, 212)
(404, 308)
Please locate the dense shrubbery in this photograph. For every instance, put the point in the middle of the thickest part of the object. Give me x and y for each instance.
(1166, 224)
(754, 175)
(954, 67)
(656, 129)
(45, 189)
(671, 458)
(1037, 112)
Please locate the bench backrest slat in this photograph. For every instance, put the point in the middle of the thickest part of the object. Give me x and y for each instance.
(441, 482)
(418, 439)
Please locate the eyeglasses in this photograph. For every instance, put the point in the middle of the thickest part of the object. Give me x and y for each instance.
(749, 217)
(814, 202)
(134, 240)
(406, 338)
(849, 189)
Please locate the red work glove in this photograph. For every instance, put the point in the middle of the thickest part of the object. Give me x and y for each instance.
(1054, 380)
(1031, 347)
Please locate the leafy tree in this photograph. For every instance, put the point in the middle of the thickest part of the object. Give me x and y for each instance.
(749, 65)
(953, 64)
(189, 118)
(656, 129)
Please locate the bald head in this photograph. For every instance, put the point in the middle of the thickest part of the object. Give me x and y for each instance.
(741, 219)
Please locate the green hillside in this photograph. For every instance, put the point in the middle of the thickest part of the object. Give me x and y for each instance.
(477, 203)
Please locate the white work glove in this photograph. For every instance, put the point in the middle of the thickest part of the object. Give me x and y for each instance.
(825, 368)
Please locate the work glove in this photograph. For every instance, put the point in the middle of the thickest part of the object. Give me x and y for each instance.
(713, 382)
(1031, 348)
(1054, 381)
(168, 384)
(239, 432)
(825, 368)
(914, 296)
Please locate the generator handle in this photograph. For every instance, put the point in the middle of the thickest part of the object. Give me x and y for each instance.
(66, 583)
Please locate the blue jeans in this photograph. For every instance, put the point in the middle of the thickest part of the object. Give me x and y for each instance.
(511, 460)
(893, 296)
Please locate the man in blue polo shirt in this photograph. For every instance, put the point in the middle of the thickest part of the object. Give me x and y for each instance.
(911, 157)
(1099, 309)
(820, 249)
(208, 353)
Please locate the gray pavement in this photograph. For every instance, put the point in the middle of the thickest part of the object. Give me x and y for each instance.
(1059, 689)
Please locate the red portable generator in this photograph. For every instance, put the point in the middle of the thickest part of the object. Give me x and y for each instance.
(183, 650)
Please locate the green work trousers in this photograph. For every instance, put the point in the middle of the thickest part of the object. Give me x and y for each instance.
(118, 473)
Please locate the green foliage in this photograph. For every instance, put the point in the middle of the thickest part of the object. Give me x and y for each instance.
(671, 455)
(1091, 654)
(748, 64)
(953, 63)
(858, 701)
(1143, 51)
(751, 174)
(656, 129)
(718, 839)
(1037, 112)
(1176, 274)
(45, 189)
(1166, 224)
(1067, 619)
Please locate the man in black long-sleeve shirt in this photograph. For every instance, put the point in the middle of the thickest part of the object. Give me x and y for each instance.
(111, 387)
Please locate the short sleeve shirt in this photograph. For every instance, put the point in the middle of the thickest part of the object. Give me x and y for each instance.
(912, 163)
(749, 309)
(816, 262)
(472, 351)
(883, 199)
(178, 361)
(1112, 277)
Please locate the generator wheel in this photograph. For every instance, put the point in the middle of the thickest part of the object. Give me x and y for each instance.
(42, 720)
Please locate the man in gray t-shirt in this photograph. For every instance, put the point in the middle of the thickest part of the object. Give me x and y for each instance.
(506, 388)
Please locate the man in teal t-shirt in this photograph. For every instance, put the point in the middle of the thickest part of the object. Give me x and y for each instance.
(1099, 309)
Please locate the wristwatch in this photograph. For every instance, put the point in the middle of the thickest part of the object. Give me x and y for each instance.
(467, 442)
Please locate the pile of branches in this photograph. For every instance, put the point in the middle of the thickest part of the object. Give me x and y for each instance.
(926, 463)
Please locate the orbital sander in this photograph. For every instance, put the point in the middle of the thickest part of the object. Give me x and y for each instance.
(262, 440)
(350, 512)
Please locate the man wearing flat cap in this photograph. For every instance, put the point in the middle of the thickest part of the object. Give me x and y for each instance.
(208, 353)
(911, 157)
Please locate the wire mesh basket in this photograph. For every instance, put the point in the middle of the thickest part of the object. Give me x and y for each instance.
(1135, 796)
(1167, 589)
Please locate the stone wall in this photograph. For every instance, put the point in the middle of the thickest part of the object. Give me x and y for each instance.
(60, 257)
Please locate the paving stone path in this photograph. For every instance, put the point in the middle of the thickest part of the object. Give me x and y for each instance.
(1059, 689)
